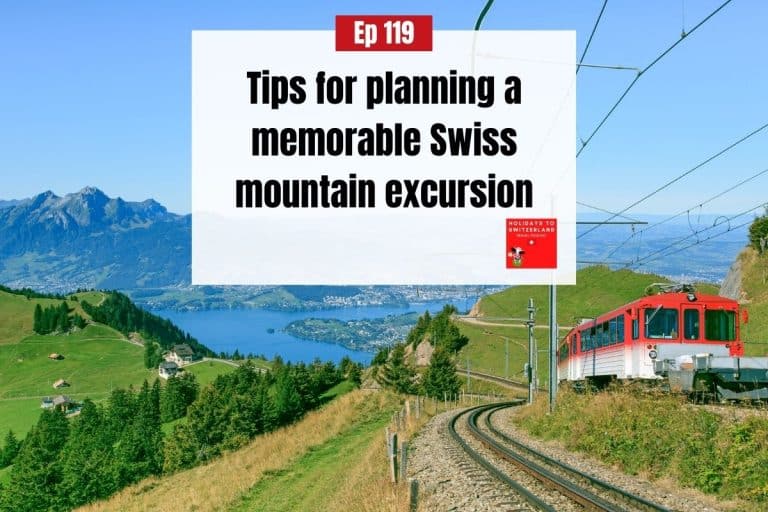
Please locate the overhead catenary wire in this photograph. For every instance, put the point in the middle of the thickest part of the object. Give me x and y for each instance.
(681, 176)
(686, 211)
(591, 35)
(597, 208)
(651, 256)
(698, 242)
(481, 17)
(643, 71)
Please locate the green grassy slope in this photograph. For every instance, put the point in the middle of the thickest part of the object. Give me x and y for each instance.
(96, 360)
(16, 313)
(754, 282)
(308, 482)
(206, 371)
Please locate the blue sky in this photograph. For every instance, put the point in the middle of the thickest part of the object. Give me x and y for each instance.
(98, 93)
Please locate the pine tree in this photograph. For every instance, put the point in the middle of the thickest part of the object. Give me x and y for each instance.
(440, 377)
(139, 451)
(36, 472)
(758, 233)
(397, 373)
(87, 458)
(416, 334)
(10, 449)
(288, 406)
(181, 449)
(37, 323)
(355, 375)
(178, 395)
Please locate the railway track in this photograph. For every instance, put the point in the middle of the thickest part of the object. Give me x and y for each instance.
(514, 463)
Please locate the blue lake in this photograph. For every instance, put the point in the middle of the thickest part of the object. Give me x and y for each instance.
(246, 329)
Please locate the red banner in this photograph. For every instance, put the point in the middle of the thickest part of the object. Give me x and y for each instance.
(377, 33)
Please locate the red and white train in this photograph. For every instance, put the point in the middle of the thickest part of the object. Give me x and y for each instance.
(628, 342)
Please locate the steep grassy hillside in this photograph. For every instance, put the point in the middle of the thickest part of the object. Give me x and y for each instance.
(96, 360)
(16, 313)
(754, 285)
(235, 479)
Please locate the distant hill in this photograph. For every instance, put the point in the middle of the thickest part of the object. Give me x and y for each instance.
(8, 204)
(89, 240)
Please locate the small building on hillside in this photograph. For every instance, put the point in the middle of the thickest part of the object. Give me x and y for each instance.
(182, 354)
(61, 383)
(167, 369)
(56, 357)
(46, 403)
(65, 403)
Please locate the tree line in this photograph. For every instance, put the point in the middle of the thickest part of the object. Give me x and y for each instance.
(64, 463)
(758, 233)
(118, 312)
(29, 293)
(55, 319)
(391, 368)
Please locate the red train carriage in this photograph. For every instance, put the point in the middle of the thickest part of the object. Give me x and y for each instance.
(630, 341)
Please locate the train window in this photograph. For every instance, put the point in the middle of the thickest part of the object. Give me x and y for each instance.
(586, 339)
(564, 351)
(720, 325)
(691, 324)
(620, 329)
(613, 331)
(635, 328)
(661, 323)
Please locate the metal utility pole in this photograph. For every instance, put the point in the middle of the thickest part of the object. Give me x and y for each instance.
(531, 352)
(506, 357)
(553, 332)
(468, 381)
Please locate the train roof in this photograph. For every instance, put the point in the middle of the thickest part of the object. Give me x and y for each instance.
(664, 299)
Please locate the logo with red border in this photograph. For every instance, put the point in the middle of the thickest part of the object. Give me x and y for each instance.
(531, 243)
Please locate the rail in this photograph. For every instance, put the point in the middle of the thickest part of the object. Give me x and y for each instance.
(560, 477)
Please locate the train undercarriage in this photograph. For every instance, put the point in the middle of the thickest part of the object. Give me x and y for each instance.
(705, 377)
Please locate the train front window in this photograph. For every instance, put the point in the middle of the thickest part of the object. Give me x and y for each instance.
(661, 323)
(691, 324)
(720, 325)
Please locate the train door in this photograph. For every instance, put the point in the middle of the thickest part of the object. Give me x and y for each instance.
(573, 361)
(636, 343)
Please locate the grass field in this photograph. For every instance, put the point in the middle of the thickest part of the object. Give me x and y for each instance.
(16, 313)
(206, 371)
(96, 360)
(487, 347)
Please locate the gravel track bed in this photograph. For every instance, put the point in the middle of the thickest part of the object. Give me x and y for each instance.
(449, 480)
(660, 492)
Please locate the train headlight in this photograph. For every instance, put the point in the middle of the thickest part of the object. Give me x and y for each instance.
(653, 354)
